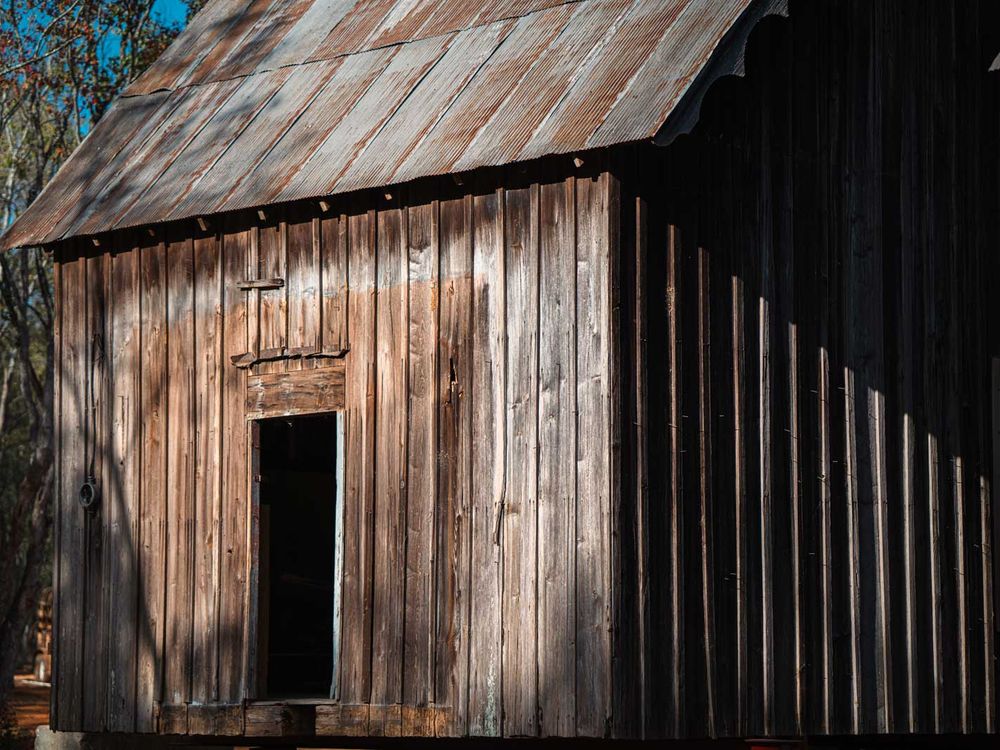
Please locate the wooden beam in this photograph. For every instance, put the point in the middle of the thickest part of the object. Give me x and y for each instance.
(279, 720)
(285, 394)
(215, 720)
(248, 284)
(338, 720)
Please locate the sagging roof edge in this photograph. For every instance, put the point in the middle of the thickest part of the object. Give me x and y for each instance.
(726, 59)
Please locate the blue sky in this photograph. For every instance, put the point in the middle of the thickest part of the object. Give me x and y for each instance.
(170, 10)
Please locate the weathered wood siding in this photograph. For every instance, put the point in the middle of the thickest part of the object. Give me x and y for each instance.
(809, 377)
(471, 328)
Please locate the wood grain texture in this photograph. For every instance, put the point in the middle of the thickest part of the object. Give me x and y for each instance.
(303, 272)
(488, 452)
(273, 303)
(556, 451)
(594, 482)
(124, 496)
(180, 408)
(69, 593)
(454, 398)
(284, 394)
(360, 393)
(97, 398)
(391, 336)
(334, 285)
(153, 541)
(518, 532)
(233, 546)
(422, 285)
(58, 431)
(207, 466)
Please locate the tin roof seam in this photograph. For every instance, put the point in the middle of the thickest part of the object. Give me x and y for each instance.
(416, 146)
(623, 91)
(246, 126)
(584, 65)
(554, 44)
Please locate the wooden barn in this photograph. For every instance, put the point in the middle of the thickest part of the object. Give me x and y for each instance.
(621, 369)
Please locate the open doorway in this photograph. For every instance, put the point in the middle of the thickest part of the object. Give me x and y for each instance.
(299, 556)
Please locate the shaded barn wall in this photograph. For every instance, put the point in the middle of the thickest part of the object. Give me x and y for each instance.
(472, 326)
(815, 459)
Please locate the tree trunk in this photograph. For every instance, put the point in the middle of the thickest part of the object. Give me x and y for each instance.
(22, 586)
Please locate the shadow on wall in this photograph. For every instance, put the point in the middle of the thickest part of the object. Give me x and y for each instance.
(824, 346)
(820, 338)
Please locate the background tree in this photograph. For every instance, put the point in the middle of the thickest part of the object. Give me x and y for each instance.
(62, 62)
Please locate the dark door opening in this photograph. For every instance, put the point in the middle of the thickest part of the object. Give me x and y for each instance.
(298, 563)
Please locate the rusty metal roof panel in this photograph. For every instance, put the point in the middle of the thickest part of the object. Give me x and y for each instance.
(279, 165)
(338, 152)
(605, 73)
(420, 111)
(269, 31)
(312, 27)
(502, 138)
(350, 33)
(234, 116)
(215, 26)
(74, 182)
(249, 144)
(487, 91)
(264, 101)
(657, 84)
(147, 160)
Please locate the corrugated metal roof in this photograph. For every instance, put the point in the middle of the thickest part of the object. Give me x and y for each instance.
(262, 101)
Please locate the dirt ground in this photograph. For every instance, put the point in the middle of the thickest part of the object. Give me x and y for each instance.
(31, 708)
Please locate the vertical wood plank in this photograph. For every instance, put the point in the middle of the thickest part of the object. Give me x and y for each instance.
(488, 451)
(253, 300)
(59, 485)
(304, 287)
(825, 428)
(705, 459)
(455, 438)
(675, 495)
(991, 532)
(233, 548)
(124, 498)
(273, 307)
(740, 428)
(390, 460)
(180, 467)
(765, 439)
(70, 593)
(520, 501)
(647, 625)
(594, 448)
(421, 441)
(97, 400)
(335, 303)
(360, 470)
(257, 617)
(207, 467)
(556, 451)
(153, 545)
(908, 373)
